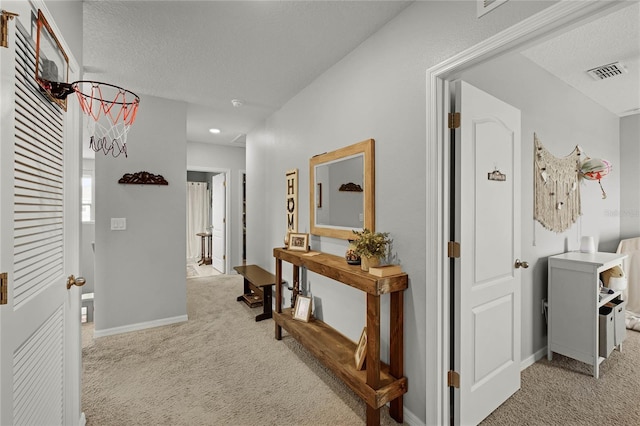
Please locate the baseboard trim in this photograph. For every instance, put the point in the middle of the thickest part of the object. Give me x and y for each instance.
(411, 419)
(139, 326)
(526, 363)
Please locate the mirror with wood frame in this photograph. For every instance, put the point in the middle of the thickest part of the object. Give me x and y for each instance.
(342, 191)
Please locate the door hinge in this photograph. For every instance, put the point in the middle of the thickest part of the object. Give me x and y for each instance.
(224, 183)
(4, 283)
(4, 27)
(453, 249)
(453, 379)
(224, 257)
(454, 120)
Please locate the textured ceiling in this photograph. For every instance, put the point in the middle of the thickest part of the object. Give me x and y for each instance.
(207, 53)
(614, 37)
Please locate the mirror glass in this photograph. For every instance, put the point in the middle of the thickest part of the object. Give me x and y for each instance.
(342, 191)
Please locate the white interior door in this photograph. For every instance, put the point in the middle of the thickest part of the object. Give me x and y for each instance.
(218, 193)
(487, 226)
(40, 357)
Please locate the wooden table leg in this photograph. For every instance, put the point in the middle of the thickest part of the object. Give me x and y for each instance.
(373, 353)
(266, 304)
(202, 256)
(278, 296)
(396, 350)
(296, 285)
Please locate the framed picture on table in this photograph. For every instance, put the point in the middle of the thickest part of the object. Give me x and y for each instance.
(298, 242)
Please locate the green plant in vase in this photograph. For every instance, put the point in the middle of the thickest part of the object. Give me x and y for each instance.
(371, 246)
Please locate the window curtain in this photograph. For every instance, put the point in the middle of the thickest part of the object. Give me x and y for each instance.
(198, 208)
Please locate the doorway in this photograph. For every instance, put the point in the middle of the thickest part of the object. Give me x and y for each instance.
(207, 227)
(561, 16)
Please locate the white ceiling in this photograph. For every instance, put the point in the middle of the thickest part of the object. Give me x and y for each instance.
(207, 53)
(614, 37)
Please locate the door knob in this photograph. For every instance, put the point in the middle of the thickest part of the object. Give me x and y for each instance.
(75, 281)
(521, 264)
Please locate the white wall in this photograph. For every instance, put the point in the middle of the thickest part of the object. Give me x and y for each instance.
(141, 272)
(377, 91)
(209, 157)
(630, 179)
(67, 14)
(562, 118)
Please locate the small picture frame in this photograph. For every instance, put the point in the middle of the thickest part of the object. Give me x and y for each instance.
(302, 310)
(298, 242)
(361, 350)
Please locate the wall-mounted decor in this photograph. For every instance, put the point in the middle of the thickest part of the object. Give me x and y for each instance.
(497, 175)
(595, 169)
(143, 178)
(350, 187)
(292, 200)
(319, 196)
(556, 189)
(341, 212)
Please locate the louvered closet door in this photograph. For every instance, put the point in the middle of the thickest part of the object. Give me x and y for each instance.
(39, 324)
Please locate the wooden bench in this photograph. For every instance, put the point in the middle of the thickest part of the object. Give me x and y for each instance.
(257, 289)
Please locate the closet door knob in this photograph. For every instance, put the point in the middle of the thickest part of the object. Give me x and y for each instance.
(71, 281)
(521, 264)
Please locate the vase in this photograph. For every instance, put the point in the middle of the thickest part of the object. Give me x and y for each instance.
(351, 256)
(368, 262)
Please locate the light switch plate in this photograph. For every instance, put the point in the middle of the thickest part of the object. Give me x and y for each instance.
(118, 223)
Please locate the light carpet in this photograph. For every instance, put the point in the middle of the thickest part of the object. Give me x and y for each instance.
(563, 392)
(218, 368)
(223, 368)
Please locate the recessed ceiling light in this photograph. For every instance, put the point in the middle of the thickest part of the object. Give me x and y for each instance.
(214, 131)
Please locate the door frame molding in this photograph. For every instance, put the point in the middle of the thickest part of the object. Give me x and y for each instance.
(227, 208)
(561, 16)
(240, 225)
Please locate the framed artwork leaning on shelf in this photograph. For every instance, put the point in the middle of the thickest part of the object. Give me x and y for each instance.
(361, 350)
(302, 310)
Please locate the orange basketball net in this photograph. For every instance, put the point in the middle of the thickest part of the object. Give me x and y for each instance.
(111, 110)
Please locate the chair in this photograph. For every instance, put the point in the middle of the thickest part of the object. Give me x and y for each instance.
(631, 267)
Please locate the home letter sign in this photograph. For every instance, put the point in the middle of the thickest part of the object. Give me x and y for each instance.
(292, 200)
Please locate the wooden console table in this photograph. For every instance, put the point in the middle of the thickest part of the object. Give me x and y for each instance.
(380, 383)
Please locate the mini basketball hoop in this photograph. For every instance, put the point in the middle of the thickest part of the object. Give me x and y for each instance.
(110, 111)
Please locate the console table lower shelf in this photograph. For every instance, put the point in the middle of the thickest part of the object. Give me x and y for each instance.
(336, 352)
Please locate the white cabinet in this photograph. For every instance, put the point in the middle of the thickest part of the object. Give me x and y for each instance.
(574, 301)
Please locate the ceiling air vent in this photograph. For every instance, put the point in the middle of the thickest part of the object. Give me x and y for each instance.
(607, 71)
(485, 6)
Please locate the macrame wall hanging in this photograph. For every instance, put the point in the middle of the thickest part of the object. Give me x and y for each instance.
(556, 189)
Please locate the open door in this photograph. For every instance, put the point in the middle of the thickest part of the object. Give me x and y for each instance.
(40, 359)
(486, 279)
(219, 195)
